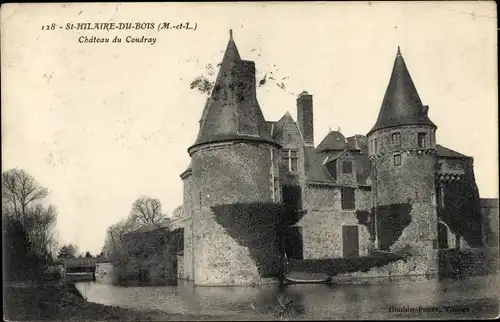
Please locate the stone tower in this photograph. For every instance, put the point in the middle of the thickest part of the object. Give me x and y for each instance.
(402, 149)
(232, 163)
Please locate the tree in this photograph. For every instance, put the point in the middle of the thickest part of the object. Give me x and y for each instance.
(113, 247)
(20, 261)
(19, 191)
(68, 251)
(40, 222)
(88, 255)
(147, 210)
(178, 212)
(21, 198)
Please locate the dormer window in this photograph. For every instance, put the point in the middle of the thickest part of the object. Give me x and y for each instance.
(347, 167)
(396, 138)
(291, 160)
(421, 140)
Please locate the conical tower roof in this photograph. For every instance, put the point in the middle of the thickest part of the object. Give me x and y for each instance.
(232, 111)
(401, 104)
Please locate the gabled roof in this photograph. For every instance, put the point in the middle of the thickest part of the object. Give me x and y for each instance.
(401, 104)
(448, 153)
(280, 125)
(333, 141)
(232, 111)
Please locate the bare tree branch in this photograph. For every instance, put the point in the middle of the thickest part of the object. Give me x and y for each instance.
(147, 210)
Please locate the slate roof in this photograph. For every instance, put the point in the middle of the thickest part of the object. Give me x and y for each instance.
(333, 156)
(314, 168)
(333, 141)
(280, 126)
(401, 104)
(448, 153)
(232, 111)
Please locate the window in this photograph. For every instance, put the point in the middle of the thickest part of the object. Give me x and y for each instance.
(421, 140)
(397, 159)
(291, 160)
(396, 138)
(347, 167)
(347, 198)
(375, 148)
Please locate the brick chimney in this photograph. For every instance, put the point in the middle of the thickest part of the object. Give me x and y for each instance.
(305, 117)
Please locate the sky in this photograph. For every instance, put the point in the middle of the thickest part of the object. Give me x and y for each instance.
(101, 124)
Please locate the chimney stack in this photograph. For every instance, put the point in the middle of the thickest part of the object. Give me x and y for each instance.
(305, 117)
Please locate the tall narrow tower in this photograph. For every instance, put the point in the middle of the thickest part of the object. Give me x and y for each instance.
(402, 147)
(232, 159)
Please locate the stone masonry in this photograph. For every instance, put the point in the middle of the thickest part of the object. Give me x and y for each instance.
(391, 190)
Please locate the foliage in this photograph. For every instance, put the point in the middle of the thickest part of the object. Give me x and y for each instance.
(145, 213)
(68, 251)
(286, 307)
(22, 199)
(269, 75)
(202, 84)
(462, 212)
(147, 210)
(391, 221)
(113, 248)
(149, 251)
(21, 262)
(178, 212)
(262, 228)
(19, 190)
(88, 255)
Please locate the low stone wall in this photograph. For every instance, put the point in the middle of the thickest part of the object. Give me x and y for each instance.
(151, 256)
(410, 268)
(105, 273)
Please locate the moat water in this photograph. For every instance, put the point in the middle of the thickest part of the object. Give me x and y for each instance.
(469, 297)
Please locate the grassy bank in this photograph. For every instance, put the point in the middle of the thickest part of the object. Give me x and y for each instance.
(64, 302)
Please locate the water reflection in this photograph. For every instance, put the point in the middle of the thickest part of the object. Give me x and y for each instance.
(301, 301)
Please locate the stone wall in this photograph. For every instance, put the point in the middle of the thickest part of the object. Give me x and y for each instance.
(105, 273)
(226, 175)
(347, 178)
(489, 209)
(405, 194)
(322, 224)
(413, 268)
(188, 262)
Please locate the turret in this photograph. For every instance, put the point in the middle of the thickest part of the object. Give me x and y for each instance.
(402, 148)
(232, 111)
(232, 163)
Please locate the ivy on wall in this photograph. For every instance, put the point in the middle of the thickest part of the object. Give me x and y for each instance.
(155, 249)
(391, 221)
(462, 211)
(260, 227)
